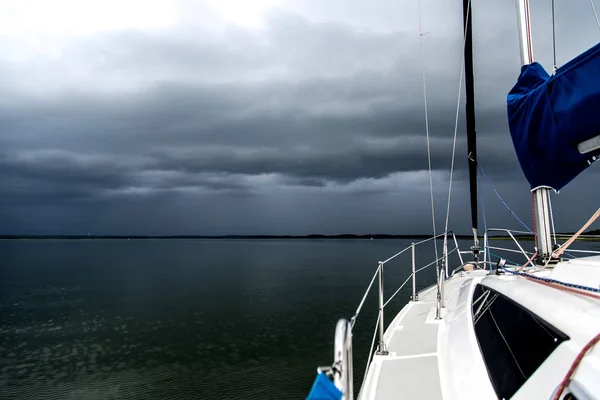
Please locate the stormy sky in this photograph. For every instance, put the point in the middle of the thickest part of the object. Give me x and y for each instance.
(261, 117)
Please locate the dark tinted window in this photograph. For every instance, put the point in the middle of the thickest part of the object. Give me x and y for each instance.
(514, 342)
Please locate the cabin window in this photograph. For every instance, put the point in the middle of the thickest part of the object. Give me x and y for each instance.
(513, 341)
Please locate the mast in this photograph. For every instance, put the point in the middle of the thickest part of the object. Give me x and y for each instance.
(471, 132)
(524, 21)
(541, 208)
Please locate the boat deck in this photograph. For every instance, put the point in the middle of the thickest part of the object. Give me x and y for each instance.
(411, 367)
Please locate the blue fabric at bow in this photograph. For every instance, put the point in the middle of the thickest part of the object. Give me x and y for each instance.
(550, 115)
(324, 389)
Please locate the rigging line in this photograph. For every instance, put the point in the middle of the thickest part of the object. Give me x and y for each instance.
(552, 335)
(460, 83)
(551, 217)
(565, 382)
(485, 244)
(515, 264)
(484, 308)
(567, 287)
(427, 134)
(553, 40)
(571, 287)
(484, 295)
(372, 345)
(507, 345)
(527, 263)
(501, 199)
(558, 252)
(477, 314)
(595, 15)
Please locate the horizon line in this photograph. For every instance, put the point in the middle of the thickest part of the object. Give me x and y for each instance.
(594, 232)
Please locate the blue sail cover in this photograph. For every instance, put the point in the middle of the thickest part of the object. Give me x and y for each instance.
(324, 389)
(550, 115)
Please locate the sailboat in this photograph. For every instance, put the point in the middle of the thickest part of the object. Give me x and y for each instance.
(486, 329)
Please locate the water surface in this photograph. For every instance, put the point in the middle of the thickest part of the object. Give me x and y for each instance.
(178, 319)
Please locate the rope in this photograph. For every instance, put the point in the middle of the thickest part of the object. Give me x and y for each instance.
(553, 39)
(569, 254)
(484, 218)
(558, 252)
(396, 292)
(551, 217)
(570, 287)
(372, 345)
(502, 200)
(355, 316)
(427, 132)
(576, 362)
(595, 15)
(527, 263)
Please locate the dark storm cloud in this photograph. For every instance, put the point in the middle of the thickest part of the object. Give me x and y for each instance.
(231, 130)
(309, 148)
(56, 176)
(185, 111)
(53, 177)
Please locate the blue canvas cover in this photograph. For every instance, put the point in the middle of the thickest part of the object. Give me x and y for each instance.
(550, 115)
(324, 389)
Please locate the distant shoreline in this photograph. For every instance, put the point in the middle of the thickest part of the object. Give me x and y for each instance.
(142, 237)
(564, 236)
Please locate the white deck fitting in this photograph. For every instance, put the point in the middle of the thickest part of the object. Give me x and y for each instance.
(411, 389)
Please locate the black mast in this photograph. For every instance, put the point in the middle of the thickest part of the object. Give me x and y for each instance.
(470, 110)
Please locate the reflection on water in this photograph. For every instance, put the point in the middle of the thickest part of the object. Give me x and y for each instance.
(176, 319)
(205, 319)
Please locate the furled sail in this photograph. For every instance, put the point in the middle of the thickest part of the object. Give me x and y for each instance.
(555, 120)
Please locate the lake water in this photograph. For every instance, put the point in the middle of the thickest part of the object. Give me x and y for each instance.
(179, 319)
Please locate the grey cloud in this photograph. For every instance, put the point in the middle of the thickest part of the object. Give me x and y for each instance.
(55, 177)
(184, 114)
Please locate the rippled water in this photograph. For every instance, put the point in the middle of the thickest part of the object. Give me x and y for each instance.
(175, 319)
(204, 319)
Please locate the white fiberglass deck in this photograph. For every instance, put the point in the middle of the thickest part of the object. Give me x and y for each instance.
(412, 368)
(428, 357)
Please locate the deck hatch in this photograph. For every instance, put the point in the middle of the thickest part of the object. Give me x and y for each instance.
(514, 342)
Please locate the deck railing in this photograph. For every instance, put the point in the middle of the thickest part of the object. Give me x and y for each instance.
(518, 249)
(381, 348)
(342, 369)
(487, 248)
